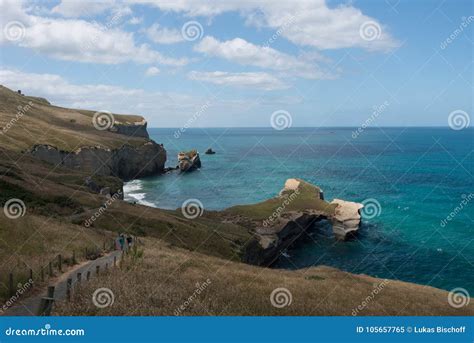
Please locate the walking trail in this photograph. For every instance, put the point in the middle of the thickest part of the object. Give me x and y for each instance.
(29, 306)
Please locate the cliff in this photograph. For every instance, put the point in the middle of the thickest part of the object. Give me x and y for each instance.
(280, 222)
(93, 142)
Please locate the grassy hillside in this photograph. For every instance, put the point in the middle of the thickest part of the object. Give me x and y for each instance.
(167, 279)
(26, 121)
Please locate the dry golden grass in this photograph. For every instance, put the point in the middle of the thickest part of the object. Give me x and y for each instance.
(31, 242)
(167, 277)
(31, 121)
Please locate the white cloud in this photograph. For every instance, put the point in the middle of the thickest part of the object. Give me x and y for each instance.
(256, 80)
(75, 8)
(135, 20)
(152, 71)
(242, 52)
(163, 35)
(305, 22)
(79, 40)
(154, 106)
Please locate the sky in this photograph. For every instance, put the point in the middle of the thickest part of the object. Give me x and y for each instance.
(237, 63)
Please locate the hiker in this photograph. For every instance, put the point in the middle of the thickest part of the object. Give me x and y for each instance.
(121, 241)
(129, 241)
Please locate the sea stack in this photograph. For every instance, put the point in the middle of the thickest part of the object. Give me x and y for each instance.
(189, 161)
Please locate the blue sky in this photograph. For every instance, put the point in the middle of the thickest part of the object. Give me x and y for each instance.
(325, 63)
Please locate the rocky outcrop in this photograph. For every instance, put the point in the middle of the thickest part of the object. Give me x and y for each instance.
(346, 219)
(126, 162)
(297, 208)
(189, 161)
(136, 129)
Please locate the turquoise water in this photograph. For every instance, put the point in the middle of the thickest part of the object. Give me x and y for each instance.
(418, 175)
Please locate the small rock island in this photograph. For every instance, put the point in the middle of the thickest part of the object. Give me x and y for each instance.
(189, 161)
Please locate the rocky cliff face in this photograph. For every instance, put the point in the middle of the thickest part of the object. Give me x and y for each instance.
(137, 129)
(300, 206)
(127, 162)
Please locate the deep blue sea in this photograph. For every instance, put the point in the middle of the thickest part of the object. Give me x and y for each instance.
(418, 175)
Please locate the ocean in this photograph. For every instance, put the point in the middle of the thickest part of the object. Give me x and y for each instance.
(420, 180)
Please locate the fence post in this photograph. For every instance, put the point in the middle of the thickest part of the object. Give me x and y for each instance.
(60, 263)
(88, 275)
(10, 285)
(46, 304)
(79, 277)
(97, 270)
(68, 289)
(106, 266)
(50, 266)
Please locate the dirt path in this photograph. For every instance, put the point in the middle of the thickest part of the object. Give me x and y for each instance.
(29, 306)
